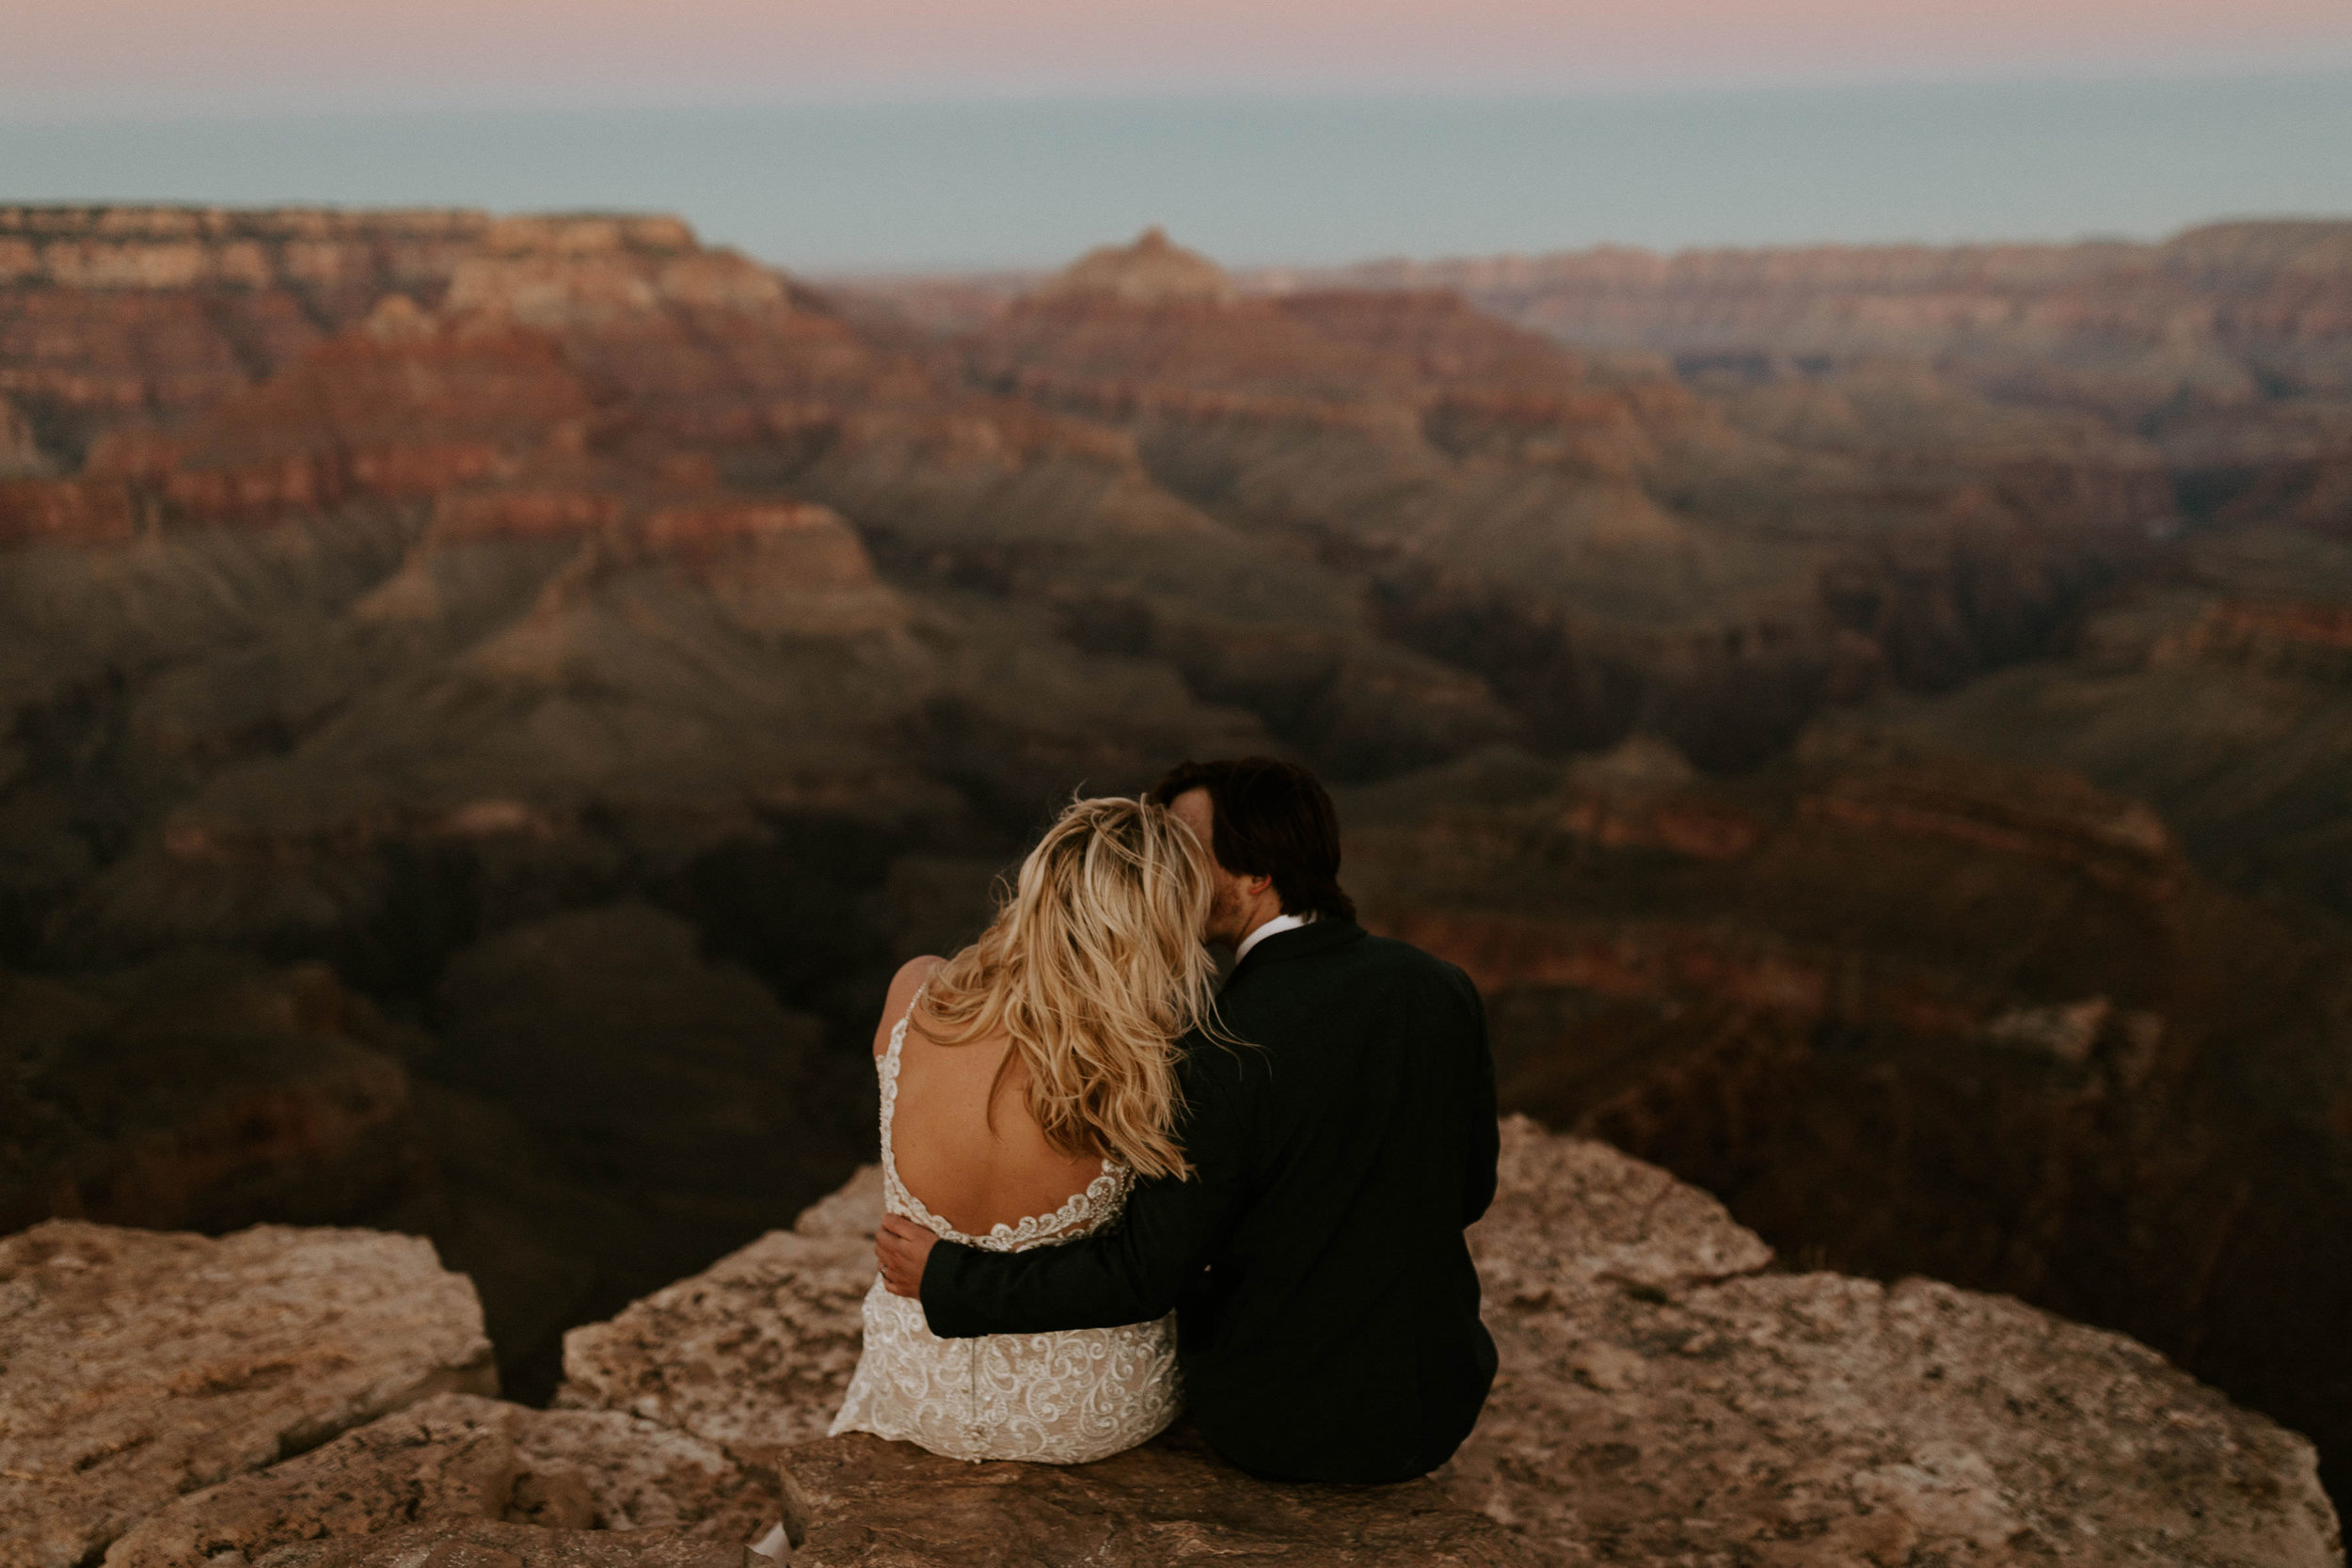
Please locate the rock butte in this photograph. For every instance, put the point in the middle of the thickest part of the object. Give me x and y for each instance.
(1152, 271)
(1664, 1397)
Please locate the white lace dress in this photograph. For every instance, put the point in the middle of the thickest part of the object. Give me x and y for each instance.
(1060, 1399)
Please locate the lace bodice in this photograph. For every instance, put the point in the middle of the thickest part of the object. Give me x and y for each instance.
(1102, 1199)
(1062, 1398)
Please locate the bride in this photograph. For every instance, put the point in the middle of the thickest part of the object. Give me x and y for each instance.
(1025, 1084)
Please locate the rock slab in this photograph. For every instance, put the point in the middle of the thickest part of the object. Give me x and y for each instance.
(137, 1365)
(456, 1461)
(861, 1502)
(490, 1544)
(1662, 1399)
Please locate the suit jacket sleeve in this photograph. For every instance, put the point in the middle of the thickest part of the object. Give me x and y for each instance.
(1486, 1133)
(1131, 1273)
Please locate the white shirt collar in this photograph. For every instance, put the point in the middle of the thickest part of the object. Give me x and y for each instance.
(1279, 924)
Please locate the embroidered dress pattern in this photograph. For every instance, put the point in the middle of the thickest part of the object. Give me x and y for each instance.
(1058, 1399)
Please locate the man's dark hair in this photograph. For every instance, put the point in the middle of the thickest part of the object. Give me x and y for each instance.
(1271, 819)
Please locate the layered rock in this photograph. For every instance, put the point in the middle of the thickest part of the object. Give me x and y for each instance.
(200, 1091)
(143, 1364)
(356, 256)
(393, 413)
(394, 612)
(128, 317)
(453, 1463)
(2313, 640)
(2216, 692)
(115, 314)
(20, 453)
(2104, 323)
(500, 1543)
(1063, 524)
(695, 656)
(68, 511)
(1152, 271)
(467, 615)
(1605, 550)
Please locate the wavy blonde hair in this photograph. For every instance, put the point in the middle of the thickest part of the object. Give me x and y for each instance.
(1093, 968)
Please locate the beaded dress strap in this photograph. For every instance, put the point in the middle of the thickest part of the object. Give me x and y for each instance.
(1075, 1212)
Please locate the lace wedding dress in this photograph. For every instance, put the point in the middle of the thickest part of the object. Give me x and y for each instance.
(1060, 1399)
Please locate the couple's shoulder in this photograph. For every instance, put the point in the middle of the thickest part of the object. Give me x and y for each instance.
(1392, 955)
(1369, 969)
(899, 998)
(1337, 946)
(1409, 985)
(1396, 950)
(913, 973)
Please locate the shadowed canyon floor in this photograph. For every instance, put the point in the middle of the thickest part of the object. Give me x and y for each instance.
(485, 703)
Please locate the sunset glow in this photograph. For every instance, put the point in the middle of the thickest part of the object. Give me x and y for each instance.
(115, 56)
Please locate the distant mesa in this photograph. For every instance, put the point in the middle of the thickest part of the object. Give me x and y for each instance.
(589, 233)
(1152, 271)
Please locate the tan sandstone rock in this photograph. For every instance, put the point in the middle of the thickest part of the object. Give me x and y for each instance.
(449, 1457)
(861, 1501)
(487, 1544)
(756, 1352)
(636, 1475)
(135, 1365)
(1664, 1400)
(457, 1460)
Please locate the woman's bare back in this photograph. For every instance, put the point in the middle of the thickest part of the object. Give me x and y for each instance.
(1065, 1397)
(970, 1174)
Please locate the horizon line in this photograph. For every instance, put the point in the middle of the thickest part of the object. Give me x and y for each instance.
(884, 97)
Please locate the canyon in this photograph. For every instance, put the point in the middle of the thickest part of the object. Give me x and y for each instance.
(488, 701)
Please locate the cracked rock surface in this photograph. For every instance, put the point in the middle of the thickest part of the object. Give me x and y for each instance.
(864, 1503)
(138, 1365)
(756, 1352)
(491, 1544)
(1666, 1398)
(456, 1461)
(1662, 1399)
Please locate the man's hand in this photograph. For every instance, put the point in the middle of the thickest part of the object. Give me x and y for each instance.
(902, 1247)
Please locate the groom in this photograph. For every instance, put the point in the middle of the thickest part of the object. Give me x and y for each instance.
(1327, 1309)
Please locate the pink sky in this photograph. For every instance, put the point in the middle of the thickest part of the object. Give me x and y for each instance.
(109, 57)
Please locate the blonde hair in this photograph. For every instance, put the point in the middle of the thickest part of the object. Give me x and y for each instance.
(1093, 968)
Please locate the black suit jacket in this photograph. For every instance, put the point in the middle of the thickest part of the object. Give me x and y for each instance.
(1328, 1311)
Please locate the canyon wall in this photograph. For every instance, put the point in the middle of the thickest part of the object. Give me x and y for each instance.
(445, 656)
(2227, 314)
